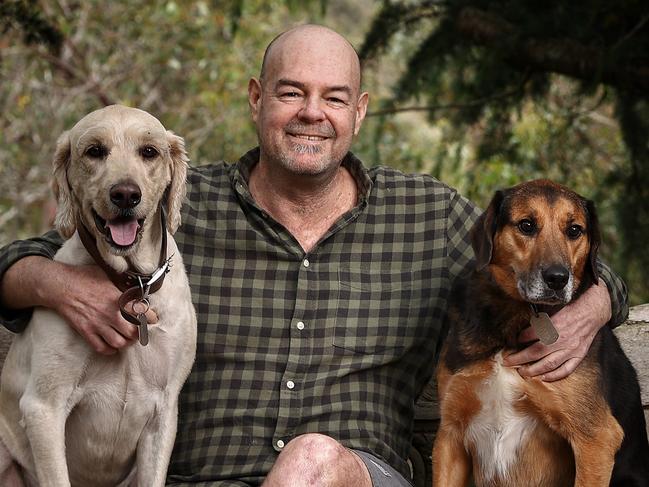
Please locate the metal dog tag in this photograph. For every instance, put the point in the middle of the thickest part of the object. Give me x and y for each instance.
(140, 307)
(142, 330)
(544, 328)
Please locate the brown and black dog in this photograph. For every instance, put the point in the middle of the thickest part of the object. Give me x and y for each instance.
(536, 244)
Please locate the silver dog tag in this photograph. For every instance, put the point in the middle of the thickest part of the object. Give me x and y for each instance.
(544, 328)
(142, 330)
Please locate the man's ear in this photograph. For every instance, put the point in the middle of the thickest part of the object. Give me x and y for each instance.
(254, 97)
(361, 111)
(177, 188)
(484, 229)
(65, 220)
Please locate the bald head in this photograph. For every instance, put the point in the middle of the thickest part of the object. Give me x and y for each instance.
(307, 105)
(315, 40)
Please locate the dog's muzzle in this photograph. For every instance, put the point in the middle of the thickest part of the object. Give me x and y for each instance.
(550, 285)
(556, 277)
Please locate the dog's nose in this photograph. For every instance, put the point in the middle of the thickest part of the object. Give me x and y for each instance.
(125, 195)
(556, 276)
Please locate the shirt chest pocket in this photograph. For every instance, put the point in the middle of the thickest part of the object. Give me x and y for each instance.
(374, 311)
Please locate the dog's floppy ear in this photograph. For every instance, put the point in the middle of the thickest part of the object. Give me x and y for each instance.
(483, 231)
(594, 236)
(65, 220)
(176, 189)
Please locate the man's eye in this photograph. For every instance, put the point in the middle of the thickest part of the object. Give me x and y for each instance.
(96, 151)
(148, 152)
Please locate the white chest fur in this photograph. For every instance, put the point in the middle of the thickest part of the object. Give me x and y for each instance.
(498, 431)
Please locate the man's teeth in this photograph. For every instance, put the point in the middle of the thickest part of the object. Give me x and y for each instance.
(312, 138)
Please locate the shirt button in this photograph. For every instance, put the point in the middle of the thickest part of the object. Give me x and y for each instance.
(280, 444)
(290, 384)
(300, 325)
(306, 263)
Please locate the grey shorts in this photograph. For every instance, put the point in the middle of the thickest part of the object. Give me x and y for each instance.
(382, 474)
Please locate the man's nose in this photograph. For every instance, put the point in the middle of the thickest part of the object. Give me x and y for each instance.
(312, 110)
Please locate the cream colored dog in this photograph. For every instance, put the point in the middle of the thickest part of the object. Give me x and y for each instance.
(68, 415)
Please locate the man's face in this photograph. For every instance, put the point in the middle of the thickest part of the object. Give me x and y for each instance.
(308, 106)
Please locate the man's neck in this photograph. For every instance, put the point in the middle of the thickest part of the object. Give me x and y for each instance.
(306, 205)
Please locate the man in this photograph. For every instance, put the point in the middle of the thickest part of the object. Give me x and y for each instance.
(319, 288)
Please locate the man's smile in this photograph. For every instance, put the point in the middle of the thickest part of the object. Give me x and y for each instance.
(308, 137)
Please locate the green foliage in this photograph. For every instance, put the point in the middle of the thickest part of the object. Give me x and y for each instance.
(484, 107)
(25, 17)
(187, 62)
(536, 89)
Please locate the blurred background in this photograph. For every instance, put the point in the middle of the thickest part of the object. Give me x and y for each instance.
(480, 94)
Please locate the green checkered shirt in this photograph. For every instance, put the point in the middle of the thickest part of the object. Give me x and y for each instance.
(338, 341)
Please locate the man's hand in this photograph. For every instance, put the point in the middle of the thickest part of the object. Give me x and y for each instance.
(82, 295)
(577, 324)
(91, 308)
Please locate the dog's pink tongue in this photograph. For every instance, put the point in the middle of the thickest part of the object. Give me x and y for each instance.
(124, 232)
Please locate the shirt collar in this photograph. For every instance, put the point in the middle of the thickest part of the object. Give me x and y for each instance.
(241, 175)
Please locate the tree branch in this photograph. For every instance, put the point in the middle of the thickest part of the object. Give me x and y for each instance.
(68, 70)
(450, 106)
(558, 55)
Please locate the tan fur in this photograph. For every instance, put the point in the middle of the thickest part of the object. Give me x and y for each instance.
(151, 177)
(574, 435)
(69, 416)
(514, 254)
(564, 426)
(458, 404)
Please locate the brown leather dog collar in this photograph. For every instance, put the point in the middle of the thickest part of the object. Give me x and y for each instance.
(136, 287)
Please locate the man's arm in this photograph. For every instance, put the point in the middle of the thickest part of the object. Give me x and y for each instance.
(617, 292)
(82, 295)
(16, 319)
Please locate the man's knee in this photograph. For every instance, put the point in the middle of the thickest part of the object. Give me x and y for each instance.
(319, 460)
(317, 447)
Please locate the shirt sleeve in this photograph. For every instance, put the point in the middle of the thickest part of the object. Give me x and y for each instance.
(618, 292)
(45, 246)
(462, 214)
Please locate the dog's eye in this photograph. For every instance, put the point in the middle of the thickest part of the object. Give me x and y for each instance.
(574, 232)
(527, 227)
(148, 152)
(96, 151)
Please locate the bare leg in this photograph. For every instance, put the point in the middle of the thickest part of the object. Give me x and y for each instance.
(316, 460)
